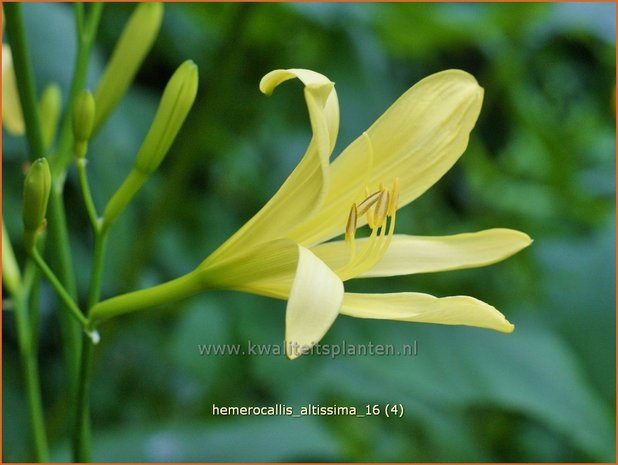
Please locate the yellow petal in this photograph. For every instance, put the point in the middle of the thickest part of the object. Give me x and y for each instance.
(418, 254)
(417, 139)
(425, 308)
(305, 189)
(314, 303)
(12, 118)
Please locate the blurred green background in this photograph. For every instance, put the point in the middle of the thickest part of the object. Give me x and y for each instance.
(541, 160)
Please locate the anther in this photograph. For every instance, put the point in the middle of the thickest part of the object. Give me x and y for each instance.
(350, 228)
(370, 219)
(392, 205)
(368, 203)
(381, 209)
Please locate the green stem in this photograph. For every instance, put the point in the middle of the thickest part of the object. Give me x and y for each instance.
(82, 430)
(96, 278)
(86, 194)
(81, 434)
(86, 34)
(59, 288)
(61, 255)
(31, 376)
(171, 291)
(121, 198)
(25, 78)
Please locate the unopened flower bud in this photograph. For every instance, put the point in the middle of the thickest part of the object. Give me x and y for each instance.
(37, 187)
(136, 40)
(175, 104)
(174, 107)
(83, 121)
(50, 106)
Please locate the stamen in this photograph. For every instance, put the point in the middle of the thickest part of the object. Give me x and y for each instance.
(347, 271)
(368, 202)
(381, 209)
(370, 219)
(392, 205)
(350, 228)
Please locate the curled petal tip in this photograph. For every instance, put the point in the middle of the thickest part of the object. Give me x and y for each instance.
(307, 77)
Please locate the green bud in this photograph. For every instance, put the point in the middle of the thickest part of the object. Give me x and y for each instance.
(50, 107)
(36, 194)
(174, 107)
(136, 40)
(175, 104)
(11, 276)
(83, 121)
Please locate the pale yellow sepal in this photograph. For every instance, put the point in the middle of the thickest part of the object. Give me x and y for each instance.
(313, 305)
(418, 254)
(12, 117)
(425, 308)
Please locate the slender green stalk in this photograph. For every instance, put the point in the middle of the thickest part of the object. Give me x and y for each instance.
(86, 31)
(31, 376)
(170, 291)
(18, 289)
(81, 434)
(28, 340)
(59, 288)
(86, 26)
(96, 278)
(82, 451)
(58, 235)
(25, 78)
(86, 194)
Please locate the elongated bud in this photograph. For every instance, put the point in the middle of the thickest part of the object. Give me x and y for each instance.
(36, 194)
(12, 117)
(83, 122)
(50, 107)
(175, 104)
(11, 276)
(174, 107)
(134, 44)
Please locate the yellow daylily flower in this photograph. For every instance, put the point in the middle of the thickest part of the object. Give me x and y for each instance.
(12, 118)
(285, 251)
